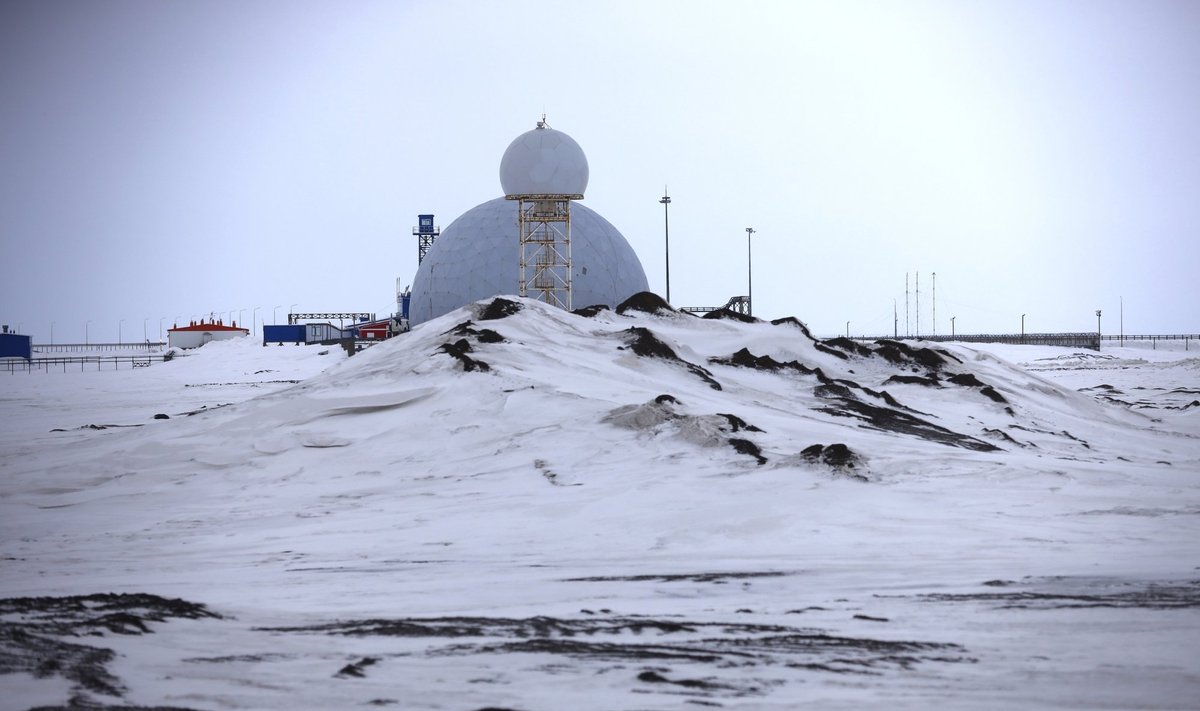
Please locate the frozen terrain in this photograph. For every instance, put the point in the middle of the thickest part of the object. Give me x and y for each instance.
(515, 507)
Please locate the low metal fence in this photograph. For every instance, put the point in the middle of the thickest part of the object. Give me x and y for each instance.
(1091, 341)
(82, 363)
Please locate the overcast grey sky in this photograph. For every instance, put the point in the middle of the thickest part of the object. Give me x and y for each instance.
(168, 159)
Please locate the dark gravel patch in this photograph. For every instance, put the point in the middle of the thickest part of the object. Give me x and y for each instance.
(1072, 593)
(43, 636)
(745, 359)
(499, 308)
(724, 314)
(591, 311)
(646, 302)
(644, 343)
(459, 350)
(483, 335)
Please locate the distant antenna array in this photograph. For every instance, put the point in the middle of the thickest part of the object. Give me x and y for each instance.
(916, 311)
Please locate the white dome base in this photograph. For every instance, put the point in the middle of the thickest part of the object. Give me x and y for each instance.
(478, 256)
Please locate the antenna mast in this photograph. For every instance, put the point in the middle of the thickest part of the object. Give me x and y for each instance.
(918, 304)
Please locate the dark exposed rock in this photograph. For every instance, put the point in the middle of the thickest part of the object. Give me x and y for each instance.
(666, 398)
(745, 446)
(837, 456)
(869, 618)
(647, 345)
(499, 308)
(590, 311)
(889, 419)
(634, 638)
(738, 423)
(357, 669)
(900, 352)
(820, 345)
(162, 416)
(849, 345)
(35, 632)
(967, 379)
(728, 315)
(930, 380)
(646, 302)
(745, 359)
(1001, 434)
(793, 321)
(485, 335)
(653, 677)
(1059, 593)
(990, 392)
(459, 349)
(719, 578)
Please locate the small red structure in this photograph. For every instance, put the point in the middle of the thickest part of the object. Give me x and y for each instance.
(374, 330)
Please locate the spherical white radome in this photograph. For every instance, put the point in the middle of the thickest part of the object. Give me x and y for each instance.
(544, 162)
(478, 256)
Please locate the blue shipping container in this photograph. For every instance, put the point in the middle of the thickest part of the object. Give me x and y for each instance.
(291, 333)
(14, 345)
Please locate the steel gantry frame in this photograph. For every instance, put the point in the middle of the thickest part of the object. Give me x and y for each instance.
(545, 229)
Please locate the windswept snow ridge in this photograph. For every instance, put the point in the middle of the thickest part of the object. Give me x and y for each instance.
(517, 507)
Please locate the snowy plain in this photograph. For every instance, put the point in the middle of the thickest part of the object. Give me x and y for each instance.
(542, 510)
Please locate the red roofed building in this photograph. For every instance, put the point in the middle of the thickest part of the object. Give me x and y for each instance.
(197, 333)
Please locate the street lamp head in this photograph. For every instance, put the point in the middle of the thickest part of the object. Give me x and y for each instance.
(1097, 313)
(750, 231)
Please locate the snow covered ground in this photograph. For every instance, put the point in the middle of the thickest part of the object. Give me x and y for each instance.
(540, 510)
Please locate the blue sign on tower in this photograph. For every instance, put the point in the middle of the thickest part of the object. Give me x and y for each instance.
(425, 224)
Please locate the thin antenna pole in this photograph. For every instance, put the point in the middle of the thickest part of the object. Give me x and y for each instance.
(895, 320)
(666, 202)
(907, 330)
(918, 304)
(935, 303)
(749, 275)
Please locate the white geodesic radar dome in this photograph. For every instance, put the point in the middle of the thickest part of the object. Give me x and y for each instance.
(544, 162)
(478, 256)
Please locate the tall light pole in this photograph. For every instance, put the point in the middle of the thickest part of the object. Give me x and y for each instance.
(1097, 329)
(240, 312)
(749, 275)
(86, 338)
(144, 336)
(119, 324)
(160, 323)
(291, 310)
(51, 333)
(666, 203)
(952, 326)
(1022, 328)
(847, 329)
